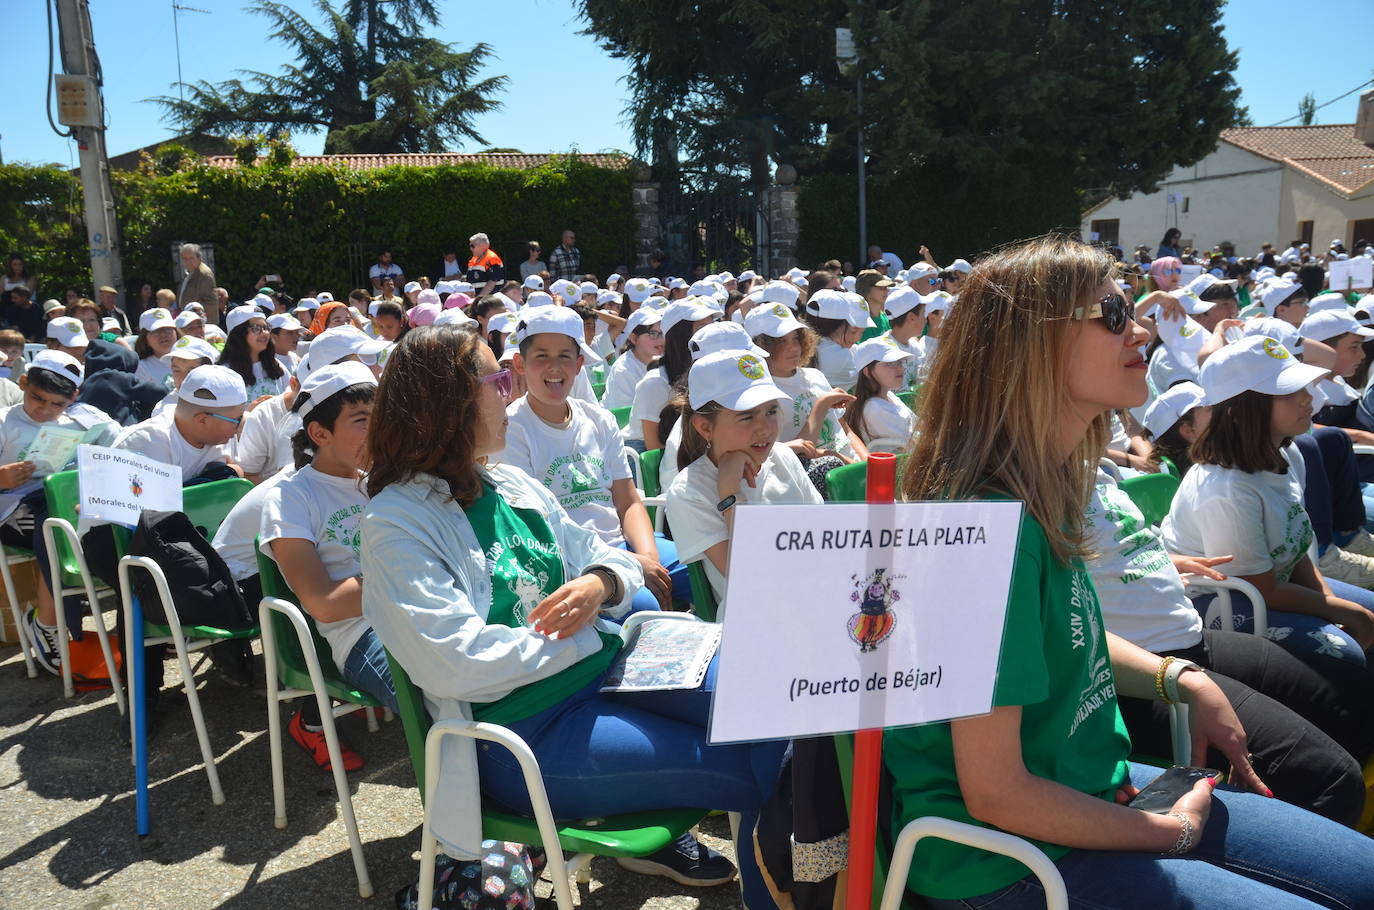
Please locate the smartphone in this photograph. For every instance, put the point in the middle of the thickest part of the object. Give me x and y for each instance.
(1161, 794)
(274, 279)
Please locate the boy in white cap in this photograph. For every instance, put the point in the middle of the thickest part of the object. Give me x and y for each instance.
(189, 322)
(641, 342)
(194, 434)
(68, 335)
(574, 449)
(840, 320)
(906, 319)
(1346, 337)
(49, 388)
(187, 354)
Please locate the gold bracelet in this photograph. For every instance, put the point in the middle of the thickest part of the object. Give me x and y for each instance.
(1159, 680)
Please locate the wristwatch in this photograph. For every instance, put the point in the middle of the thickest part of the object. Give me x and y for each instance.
(724, 505)
(613, 585)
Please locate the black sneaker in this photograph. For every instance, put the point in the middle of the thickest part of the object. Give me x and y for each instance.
(686, 861)
(44, 641)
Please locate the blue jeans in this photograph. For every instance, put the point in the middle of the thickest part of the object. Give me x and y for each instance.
(682, 582)
(1255, 854)
(606, 754)
(1298, 632)
(366, 669)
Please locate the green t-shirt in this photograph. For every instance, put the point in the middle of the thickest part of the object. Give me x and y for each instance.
(526, 566)
(1054, 664)
(880, 326)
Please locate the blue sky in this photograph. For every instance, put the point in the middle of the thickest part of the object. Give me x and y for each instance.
(563, 91)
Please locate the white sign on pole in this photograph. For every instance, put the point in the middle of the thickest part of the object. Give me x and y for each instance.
(855, 616)
(116, 485)
(1350, 274)
(1188, 273)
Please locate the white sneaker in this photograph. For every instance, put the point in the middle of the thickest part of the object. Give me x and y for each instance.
(1362, 544)
(1351, 568)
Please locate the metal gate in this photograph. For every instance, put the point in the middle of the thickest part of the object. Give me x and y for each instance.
(705, 233)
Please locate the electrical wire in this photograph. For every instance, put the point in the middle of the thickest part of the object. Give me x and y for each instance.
(1325, 103)
(48, 108)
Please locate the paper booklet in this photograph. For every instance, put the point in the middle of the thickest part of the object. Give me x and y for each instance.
(664, 655)
(53, 448)
(10, 499)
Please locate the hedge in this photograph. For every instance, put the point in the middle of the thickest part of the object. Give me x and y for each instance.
(954, 216)
(302, 222)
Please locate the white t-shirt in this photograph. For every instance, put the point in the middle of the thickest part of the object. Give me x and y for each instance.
(651, 397)
(667, 465)
(234, 541)
(263, 445)
(1164, 371)
(805, 386)
(694, 495)
(577, 463)
(912, 365)
(582, 387)
(381, 271)
(159, 439)
(289, 360)
(1259, 519)
(887, 424)
(310, 505)
(1142, 596)
(927, 346)
(263, 385)
(836, 363)
(152, 369)
(17, 429)
(621, 380)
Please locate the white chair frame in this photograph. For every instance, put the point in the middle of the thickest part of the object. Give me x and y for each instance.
(51, 528)
(25, 646)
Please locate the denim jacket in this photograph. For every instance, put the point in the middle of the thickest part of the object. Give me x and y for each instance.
(427, 591)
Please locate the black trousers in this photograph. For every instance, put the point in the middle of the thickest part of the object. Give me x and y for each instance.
(1308, 723)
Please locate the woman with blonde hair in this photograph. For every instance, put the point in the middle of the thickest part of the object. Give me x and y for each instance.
(1040, 349)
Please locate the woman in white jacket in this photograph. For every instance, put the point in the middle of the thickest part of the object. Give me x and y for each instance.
(493, 600)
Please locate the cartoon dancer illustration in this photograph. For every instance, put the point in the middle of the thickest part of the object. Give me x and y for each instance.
(875, 621)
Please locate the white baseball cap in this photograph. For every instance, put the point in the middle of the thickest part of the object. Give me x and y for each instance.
(747, 275)
(339, 342)
(410, 286)
(214, 333)
(443, 287)
(675, 283)
(794, 273)
(586, 288)
(880, 349)
(722, 336)
(960, 265)
(263, 302)
(656, 302)
(1173, 404)
(638, 289)
(1192, 304)
(923, 270)
(737, 380)
(195, 305)
(689, 309)
(320, 385)
(463, 287)
(780, 292)
(1281, 331)
(1255, 364)
(557, 320)
(154, 319)
(900, 300)
(454, 316)
(284, 321)
(241, 314)
(533, 283)
(644, 316)
(187, 317)
(1328, 301)
(324, 297)
(1279, 292)
(828, 304)
(309, 303)
(937, 302)
(772, 319)
(1327, 324)
(213, 386)
(189, 347)
(539, 298)
(801, 282)
(1205, 281)
(502, 322)
(67, 331)
(849, 283)
(613, 278)
(59, 362)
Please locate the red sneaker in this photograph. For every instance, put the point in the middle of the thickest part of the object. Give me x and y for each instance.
(312, 741)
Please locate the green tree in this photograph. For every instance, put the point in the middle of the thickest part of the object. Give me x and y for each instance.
(392, 91)
(1307, 109)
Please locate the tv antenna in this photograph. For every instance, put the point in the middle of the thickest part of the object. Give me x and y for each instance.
(176, 30)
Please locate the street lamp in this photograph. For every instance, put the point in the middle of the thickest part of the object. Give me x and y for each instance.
(847, 52)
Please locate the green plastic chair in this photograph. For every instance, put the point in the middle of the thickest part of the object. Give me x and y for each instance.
(598, 389)
(1169, 467)
(911, 398)
(632, 834)
(622, 416)
(1152, 494)
(649, 464)
(704, 603)
(299, 663)
(206, 505)
(849, 483)
(67, 561)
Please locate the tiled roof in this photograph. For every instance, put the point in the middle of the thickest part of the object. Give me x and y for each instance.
(495, 159)
(1330, 154)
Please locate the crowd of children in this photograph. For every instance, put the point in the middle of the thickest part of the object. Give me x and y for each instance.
(459, 477)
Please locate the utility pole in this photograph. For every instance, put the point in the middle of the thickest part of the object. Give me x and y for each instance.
(847, 53)
(81, 107)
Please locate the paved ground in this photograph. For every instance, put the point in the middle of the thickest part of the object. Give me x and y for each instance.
(68, 838)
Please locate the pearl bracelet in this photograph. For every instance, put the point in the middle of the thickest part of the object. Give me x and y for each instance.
(1185, 835)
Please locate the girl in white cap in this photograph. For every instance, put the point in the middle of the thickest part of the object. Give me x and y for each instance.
(250, 353)
(839, 318)
(157, 332)
(876, 413)
(729, 454)
(680, 322)
(1173, 422)
(1243, 497)
(643, 342)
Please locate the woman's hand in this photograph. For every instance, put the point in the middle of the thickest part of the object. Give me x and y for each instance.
(1196, 804)
(656, 579)
(1215, 725)
(1199, 565)
(12, 475)
(564, 612)
(1352, 617)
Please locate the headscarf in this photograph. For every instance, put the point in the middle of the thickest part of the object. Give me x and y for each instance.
(321, 320)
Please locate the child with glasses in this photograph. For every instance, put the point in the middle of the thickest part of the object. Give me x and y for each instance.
(642, 341)
(193, 435)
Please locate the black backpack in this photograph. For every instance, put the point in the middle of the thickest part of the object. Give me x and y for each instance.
(201, 586)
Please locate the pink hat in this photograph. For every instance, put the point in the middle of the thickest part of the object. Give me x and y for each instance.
(423, 314)
(457, 300)
(428, 295)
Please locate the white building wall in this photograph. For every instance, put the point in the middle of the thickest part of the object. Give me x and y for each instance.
(1332, 216)
(1231, 195)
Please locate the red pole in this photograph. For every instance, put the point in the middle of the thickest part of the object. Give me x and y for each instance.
(868, 744)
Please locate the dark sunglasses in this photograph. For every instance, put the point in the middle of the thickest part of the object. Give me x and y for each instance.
(1113, 310)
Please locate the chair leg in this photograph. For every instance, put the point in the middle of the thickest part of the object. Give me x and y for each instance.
(106, 651)
(580, 868)
(331, 741)
(24, 647)
(371, 720)
(63, 647)
(188, 681)
(274, 725)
